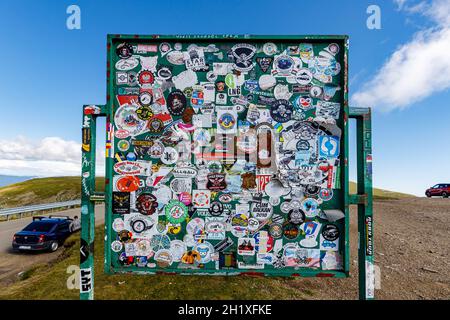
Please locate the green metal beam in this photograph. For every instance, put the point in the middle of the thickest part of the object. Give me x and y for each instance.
(363, 199)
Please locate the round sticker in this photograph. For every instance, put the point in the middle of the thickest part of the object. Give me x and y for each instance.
(145, 78)
(315, 91)
(124, 50)
(165, 47)
(176, 103)
(296, 216)
(144, 113)
(330, 232)
(216, 209)
(169, 156)
(281, 111)
(276, 230)
(163, 258)
(146, 204)
(326, 194)
(185, 197)
(270, 48)
(127, 183)
(205, 250)
(253, 224)
(116, 246)
(140, 225)
(123, 145)
(118, 225)
(124, 235)
(127, 119)
(176, 211)
(290, 230)
(164, 73)
(145, 98)
(284, 64)
(226, 121)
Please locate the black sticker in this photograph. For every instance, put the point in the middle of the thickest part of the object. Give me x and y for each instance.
(86, 139)
(369, 236)
(121, 202)
(216, 209)
(176, 103)
(290, 230)
(264, 63)
(85, 250)
(146, 204)
(124, 50)
(145, 98)
(296, 216)
(281, 111)
(330, 232)
(164, 72)
(216, 182)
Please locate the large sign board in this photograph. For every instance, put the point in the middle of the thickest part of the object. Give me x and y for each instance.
(227, 155)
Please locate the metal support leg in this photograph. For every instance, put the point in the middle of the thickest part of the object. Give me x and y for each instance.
(363, 199)
(88, 198)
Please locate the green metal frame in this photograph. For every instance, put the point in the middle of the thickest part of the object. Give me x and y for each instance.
(363, 199)
(89, 196)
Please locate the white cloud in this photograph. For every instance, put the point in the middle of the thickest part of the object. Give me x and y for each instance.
(416, 69)
(51, 156)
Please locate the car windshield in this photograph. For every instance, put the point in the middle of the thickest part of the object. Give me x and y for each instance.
(436, 186)
(39, 226)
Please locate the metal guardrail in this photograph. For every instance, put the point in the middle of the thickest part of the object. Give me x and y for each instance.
(5, 214)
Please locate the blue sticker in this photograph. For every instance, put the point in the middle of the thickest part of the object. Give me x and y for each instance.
(329, 146)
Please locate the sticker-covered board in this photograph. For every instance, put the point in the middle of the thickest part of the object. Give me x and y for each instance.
(227, 155)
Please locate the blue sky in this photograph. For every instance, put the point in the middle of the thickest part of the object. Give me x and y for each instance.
(49, 72)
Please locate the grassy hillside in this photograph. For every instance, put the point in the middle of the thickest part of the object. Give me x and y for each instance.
(381, 194)
(46, 190)
(43, 190)
(50, 282)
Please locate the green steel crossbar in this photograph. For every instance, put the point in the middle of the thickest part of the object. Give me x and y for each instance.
(363, 199)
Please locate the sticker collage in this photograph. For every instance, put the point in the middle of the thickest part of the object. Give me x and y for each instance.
(226, 155)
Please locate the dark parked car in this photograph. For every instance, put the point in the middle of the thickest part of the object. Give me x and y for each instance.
(441, 190)
(44, 233)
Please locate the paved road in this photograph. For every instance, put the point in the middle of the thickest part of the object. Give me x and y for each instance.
(12, 263)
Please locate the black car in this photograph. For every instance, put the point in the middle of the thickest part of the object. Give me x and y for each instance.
(44, 233)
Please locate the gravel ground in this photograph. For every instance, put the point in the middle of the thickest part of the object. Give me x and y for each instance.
(412, 250)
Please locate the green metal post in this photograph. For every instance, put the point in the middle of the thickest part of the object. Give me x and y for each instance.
(88, 199)
(363, 200)
(87, 206)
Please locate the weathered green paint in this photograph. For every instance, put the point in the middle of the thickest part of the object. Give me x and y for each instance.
(363, 200)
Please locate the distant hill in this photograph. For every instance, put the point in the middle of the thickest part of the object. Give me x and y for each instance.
(43, 190)
(381, 194)
(46, 190)
(7, 180)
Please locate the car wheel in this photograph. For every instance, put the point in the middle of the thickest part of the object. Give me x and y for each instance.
(54, 246)
(428, 194)
(444, 195)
